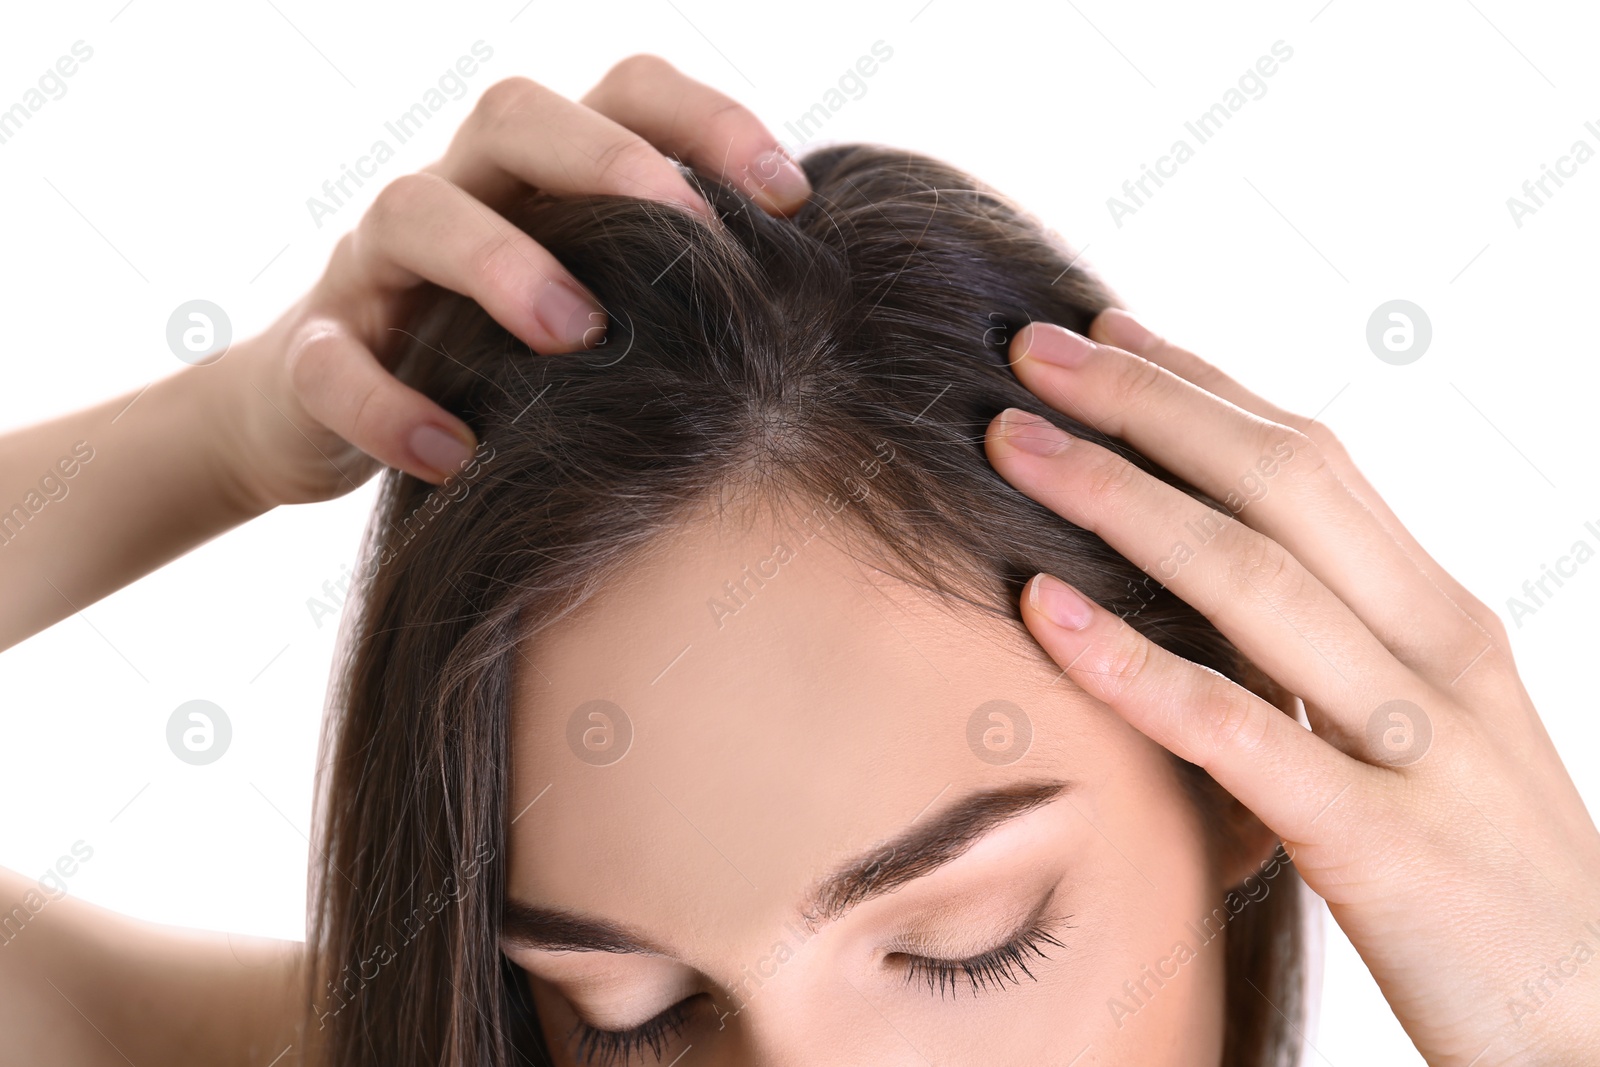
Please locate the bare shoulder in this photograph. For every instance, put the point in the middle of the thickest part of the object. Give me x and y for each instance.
(83, 985)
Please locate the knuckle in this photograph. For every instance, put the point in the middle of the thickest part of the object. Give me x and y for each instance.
(365, 421)
(639, 68)
(309, 360)
(1111, 478)
(504, 98)
(728, 111)
(400, 200)
(630, 156)
(1226, 719)
(1286, 441)
(1124, 663)
(724, 122)
(1196, 370)
(1285, 445)
(1490, 621)
(344, 257)
(1319, 434)
(1143, 381)
(496, 264)
(1261, 566)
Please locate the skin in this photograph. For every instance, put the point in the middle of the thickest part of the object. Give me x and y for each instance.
(826, 718)
(1466, 875)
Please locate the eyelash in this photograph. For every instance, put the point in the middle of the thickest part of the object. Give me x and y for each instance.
(613, 1048)
(992, 969)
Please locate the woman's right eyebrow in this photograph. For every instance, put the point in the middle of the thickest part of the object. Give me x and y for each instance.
(554, 930)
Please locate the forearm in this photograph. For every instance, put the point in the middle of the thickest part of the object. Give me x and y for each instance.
(95, 499)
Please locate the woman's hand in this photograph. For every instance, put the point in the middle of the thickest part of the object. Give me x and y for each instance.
(1426, 805)
(308, 409)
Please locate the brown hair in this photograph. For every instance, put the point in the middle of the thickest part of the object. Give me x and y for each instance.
(763, 351)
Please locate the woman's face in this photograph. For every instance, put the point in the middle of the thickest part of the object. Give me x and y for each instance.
(831, 792)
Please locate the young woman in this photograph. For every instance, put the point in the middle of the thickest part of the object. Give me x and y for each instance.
(858, 642)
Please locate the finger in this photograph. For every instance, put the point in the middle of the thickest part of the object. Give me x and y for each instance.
(1275, 611)
(523, 134)
(1117, 327)
(1273, 477)
(1275, 767)
(342, 385)
(711, 132)
(421, 227)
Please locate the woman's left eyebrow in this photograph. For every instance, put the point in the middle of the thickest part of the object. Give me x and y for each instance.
(921, 850)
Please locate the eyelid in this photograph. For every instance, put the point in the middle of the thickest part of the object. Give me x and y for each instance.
(923, 950)
(618, 1047)
(993, 968)
(602, 993)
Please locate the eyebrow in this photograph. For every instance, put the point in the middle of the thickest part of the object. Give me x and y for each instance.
(916, 853)
(556, 930)
(919, 851)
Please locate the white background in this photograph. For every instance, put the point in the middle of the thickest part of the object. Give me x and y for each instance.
(1376, 166)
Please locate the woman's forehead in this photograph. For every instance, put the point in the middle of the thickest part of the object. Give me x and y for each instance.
(748, 647)
(743, 707)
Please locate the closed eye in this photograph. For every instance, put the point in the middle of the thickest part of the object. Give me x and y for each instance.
(595, 1047)
(1003, 965)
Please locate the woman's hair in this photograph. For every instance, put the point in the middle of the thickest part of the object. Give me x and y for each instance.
(776, 356)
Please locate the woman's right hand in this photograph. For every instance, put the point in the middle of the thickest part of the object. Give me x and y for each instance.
(308, 409)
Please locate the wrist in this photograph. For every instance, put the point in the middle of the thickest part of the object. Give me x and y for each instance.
(217, 393)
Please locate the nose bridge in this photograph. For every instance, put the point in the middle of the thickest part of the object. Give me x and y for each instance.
(855, 1038)
(792, 996)
(806, 1018)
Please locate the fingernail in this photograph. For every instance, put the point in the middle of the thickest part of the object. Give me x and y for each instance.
(1032, 434)
(1060, 603)
(439, 449)
(1130, 331)
(1058, 347)
(780, 177)
(571, 317)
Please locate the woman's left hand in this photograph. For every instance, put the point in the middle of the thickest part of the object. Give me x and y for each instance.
(1426, 804)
